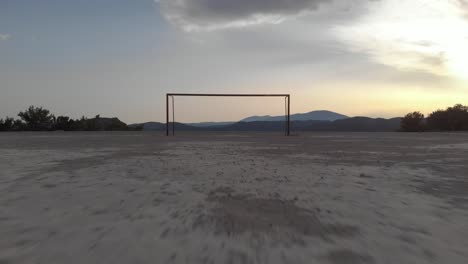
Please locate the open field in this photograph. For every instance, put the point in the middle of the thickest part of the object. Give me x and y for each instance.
(134, 197)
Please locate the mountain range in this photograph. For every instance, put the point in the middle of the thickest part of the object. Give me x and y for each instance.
(321, 115)
(312, 121)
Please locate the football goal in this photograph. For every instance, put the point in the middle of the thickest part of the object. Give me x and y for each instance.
(287, 104)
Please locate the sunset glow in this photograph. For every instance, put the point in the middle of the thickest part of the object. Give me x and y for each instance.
(427, 35)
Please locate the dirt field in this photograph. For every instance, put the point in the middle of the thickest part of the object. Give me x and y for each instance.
(233, 198)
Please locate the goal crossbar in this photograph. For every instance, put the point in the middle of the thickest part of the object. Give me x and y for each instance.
(172, 95)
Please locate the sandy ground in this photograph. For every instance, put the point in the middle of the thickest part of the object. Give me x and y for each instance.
(233, 198)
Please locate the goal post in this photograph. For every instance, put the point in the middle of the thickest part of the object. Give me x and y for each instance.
(173, 95)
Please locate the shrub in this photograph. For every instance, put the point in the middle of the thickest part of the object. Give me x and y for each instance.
(7, 124)
(37, 119)
(452, 119)
(413, 122)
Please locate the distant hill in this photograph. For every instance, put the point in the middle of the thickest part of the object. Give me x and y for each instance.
(353, 124)
(152, 126)
(210, 124)
(365, 124)
(321, 115)
(157, 126)
(356, 124)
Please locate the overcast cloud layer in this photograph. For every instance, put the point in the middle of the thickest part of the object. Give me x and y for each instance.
(411, 35)
(207, 15)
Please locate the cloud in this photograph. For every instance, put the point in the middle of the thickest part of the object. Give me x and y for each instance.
(416, 35)
(463, 5)
(4, 37)
(209, 15)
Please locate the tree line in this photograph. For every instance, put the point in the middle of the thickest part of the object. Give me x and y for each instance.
(451, 119)
(40, 119)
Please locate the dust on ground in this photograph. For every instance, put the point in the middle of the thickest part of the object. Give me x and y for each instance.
(135, 197)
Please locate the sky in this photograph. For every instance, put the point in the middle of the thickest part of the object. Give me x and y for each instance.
(118, 58)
